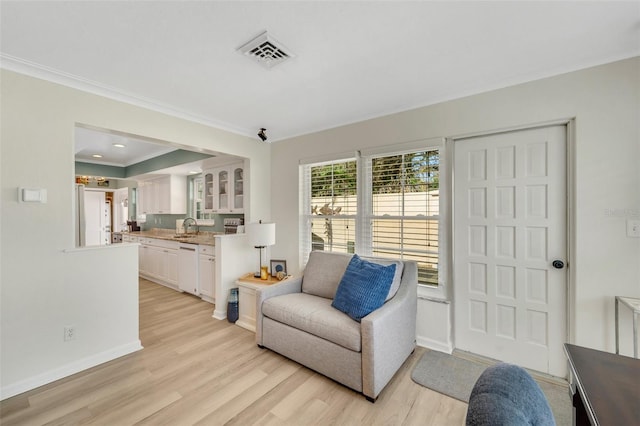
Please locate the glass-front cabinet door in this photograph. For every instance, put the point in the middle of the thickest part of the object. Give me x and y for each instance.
(198, 198)
(223, 190)
(238, 189)
(208, 191)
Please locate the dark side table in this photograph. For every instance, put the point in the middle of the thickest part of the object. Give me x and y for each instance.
(605, 387)
(633, 304)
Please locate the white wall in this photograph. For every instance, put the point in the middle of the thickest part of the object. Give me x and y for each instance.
(605, 102)
(38, 279)
(39, 282)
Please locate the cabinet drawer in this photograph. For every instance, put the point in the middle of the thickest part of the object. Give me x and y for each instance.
(209, 250)
(173, 245)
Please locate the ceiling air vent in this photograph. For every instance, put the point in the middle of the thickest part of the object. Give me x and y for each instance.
(266, 50)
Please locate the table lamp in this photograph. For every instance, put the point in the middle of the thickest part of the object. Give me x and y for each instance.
(260, 236)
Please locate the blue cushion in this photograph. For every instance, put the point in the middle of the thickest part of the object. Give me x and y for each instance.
(505, 394)
(363, 287)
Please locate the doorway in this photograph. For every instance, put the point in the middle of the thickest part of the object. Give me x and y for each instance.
(120, 208)
(97, 217)
(510, 247)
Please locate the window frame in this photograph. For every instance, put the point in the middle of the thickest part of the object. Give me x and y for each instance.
(306, 215)
(362, 245)
(369, 218)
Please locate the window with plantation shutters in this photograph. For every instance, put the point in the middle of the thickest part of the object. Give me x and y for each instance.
(331, 207)
(403, 215)
(383, 205)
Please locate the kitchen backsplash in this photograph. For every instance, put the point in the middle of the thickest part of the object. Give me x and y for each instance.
(168, 221)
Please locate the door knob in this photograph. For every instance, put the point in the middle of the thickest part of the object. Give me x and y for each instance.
(558, 264)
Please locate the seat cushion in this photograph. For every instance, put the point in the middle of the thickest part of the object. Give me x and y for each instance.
(363, 288)
(314, 315)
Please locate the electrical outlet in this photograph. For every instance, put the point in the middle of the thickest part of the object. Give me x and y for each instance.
(69, 333)
(633, 228)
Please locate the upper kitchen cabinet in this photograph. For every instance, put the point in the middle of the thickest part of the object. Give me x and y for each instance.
(237, 204)
(224, 189)
(164, 195)
(208, 191)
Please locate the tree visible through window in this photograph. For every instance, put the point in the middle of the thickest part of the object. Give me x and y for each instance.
(399, 215)
(405, 208)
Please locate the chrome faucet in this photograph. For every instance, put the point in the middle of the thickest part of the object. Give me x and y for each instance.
(187, 226)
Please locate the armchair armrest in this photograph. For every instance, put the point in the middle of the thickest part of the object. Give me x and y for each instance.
(290, 285)
(389, 334)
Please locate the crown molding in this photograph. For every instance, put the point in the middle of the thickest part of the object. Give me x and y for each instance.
(42, 72)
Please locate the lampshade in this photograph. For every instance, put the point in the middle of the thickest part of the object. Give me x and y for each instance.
(261, 234)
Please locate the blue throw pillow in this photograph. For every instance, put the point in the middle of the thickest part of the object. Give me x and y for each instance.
(363, 288)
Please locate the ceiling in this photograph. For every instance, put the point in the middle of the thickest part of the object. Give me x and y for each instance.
(115, 149)
(118, 149)
(354, 60)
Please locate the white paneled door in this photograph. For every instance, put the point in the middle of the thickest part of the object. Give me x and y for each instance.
(509, 231)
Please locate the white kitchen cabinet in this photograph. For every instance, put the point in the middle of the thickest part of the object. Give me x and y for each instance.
(143, 257)
(224, 189)
(156, 268)
(126, 238)
(158, 261)
(172, 266)
(206, 273)
(237, 178)
(165, 265)
(209, 270)
(143, 192)
(197, 206)
(208, 191)
(164, 195)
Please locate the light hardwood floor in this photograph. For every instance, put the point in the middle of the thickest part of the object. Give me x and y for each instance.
(197, 370)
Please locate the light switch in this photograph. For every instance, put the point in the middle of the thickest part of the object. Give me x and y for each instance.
(33, 195)
(633, 228)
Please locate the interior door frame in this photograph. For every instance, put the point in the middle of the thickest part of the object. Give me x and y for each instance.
(570, 181)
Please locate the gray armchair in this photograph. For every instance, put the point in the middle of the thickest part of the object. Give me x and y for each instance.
(295, 318)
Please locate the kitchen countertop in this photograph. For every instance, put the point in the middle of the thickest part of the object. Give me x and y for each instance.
(203, 238)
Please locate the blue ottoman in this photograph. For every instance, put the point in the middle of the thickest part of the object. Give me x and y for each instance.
(506, 394)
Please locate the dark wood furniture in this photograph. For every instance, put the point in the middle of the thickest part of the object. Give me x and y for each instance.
(633, 304)
(605, 386)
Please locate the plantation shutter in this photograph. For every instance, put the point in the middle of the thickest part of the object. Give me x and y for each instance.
(384, 204)
(403, 216)
(329, 203)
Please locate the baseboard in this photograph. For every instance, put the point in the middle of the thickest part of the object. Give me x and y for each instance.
(538, 375)
(219, 315)
(207, 299)
(435, 345)
(158, 281)
(68, 369)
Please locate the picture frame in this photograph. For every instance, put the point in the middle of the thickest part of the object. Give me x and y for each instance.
(278, 265)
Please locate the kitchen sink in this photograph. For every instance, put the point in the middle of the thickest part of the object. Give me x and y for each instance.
(181, 236)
